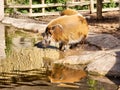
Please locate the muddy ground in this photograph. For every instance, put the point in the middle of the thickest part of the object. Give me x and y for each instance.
(109, 24)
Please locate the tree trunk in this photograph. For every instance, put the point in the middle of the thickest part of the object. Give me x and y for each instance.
(1, 9)
(119, 14)
(99, 9)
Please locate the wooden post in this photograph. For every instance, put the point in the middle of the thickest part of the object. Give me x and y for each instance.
(67, 4)
(91, 6)
(5, 2)
(43, 9)
(73, 1)
(30, 9)
(1, 9)
(99, 9)
(119, 14)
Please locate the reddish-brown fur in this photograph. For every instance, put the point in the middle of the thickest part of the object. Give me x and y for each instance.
(67, 29)
(61, 73)
(69, 11)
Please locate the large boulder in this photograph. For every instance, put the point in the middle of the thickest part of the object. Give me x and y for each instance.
(2, 41)
(97, 62)
(84, 58)
(29, 59)
(103, 41)
(109, 65)
(27, 24)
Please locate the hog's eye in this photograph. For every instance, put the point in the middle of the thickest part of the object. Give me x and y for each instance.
(49, 33)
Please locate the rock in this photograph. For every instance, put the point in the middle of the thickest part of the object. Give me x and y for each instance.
(84, 58)
(1, 10)
(27, 24)
(29, 59)
(40, 82)
(103, 41)
(2, 41)
(119, 87)
(98, 62)
(21, 42)
(101, 79)
(109, 65)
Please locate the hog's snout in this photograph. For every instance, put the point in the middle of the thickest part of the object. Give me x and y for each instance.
(45, 43)
(46, 40)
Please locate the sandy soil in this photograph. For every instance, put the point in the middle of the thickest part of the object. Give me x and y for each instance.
(109, 24)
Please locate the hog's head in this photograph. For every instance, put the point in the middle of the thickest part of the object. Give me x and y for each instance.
(52, 33)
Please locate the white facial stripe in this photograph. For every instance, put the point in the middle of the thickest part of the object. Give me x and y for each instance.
(59, 26)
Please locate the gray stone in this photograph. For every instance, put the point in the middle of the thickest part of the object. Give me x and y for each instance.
(85, 58)
(109, 64)
(27, 24)
(16, 41)
(1, 10)
(98, 62)
(103, 41)
(2, 41)
(119, 87)
(28, 59)
(101, 79)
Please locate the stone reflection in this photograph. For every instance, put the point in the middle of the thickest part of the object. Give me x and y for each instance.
(17, 39)
(21, 53)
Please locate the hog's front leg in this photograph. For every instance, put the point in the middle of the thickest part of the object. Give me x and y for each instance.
(63, 46)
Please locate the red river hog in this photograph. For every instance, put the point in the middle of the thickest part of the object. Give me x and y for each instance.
(66, 30)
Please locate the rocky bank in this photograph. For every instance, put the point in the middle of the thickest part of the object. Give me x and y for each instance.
(103, 61)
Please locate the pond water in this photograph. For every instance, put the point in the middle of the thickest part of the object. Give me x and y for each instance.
(27, 67)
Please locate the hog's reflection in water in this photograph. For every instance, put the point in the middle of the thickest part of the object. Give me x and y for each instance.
(66, 74)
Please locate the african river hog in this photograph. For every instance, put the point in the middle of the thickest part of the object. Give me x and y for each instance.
(66, 30)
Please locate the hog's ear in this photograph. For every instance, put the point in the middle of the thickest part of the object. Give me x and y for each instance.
(57, 27)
